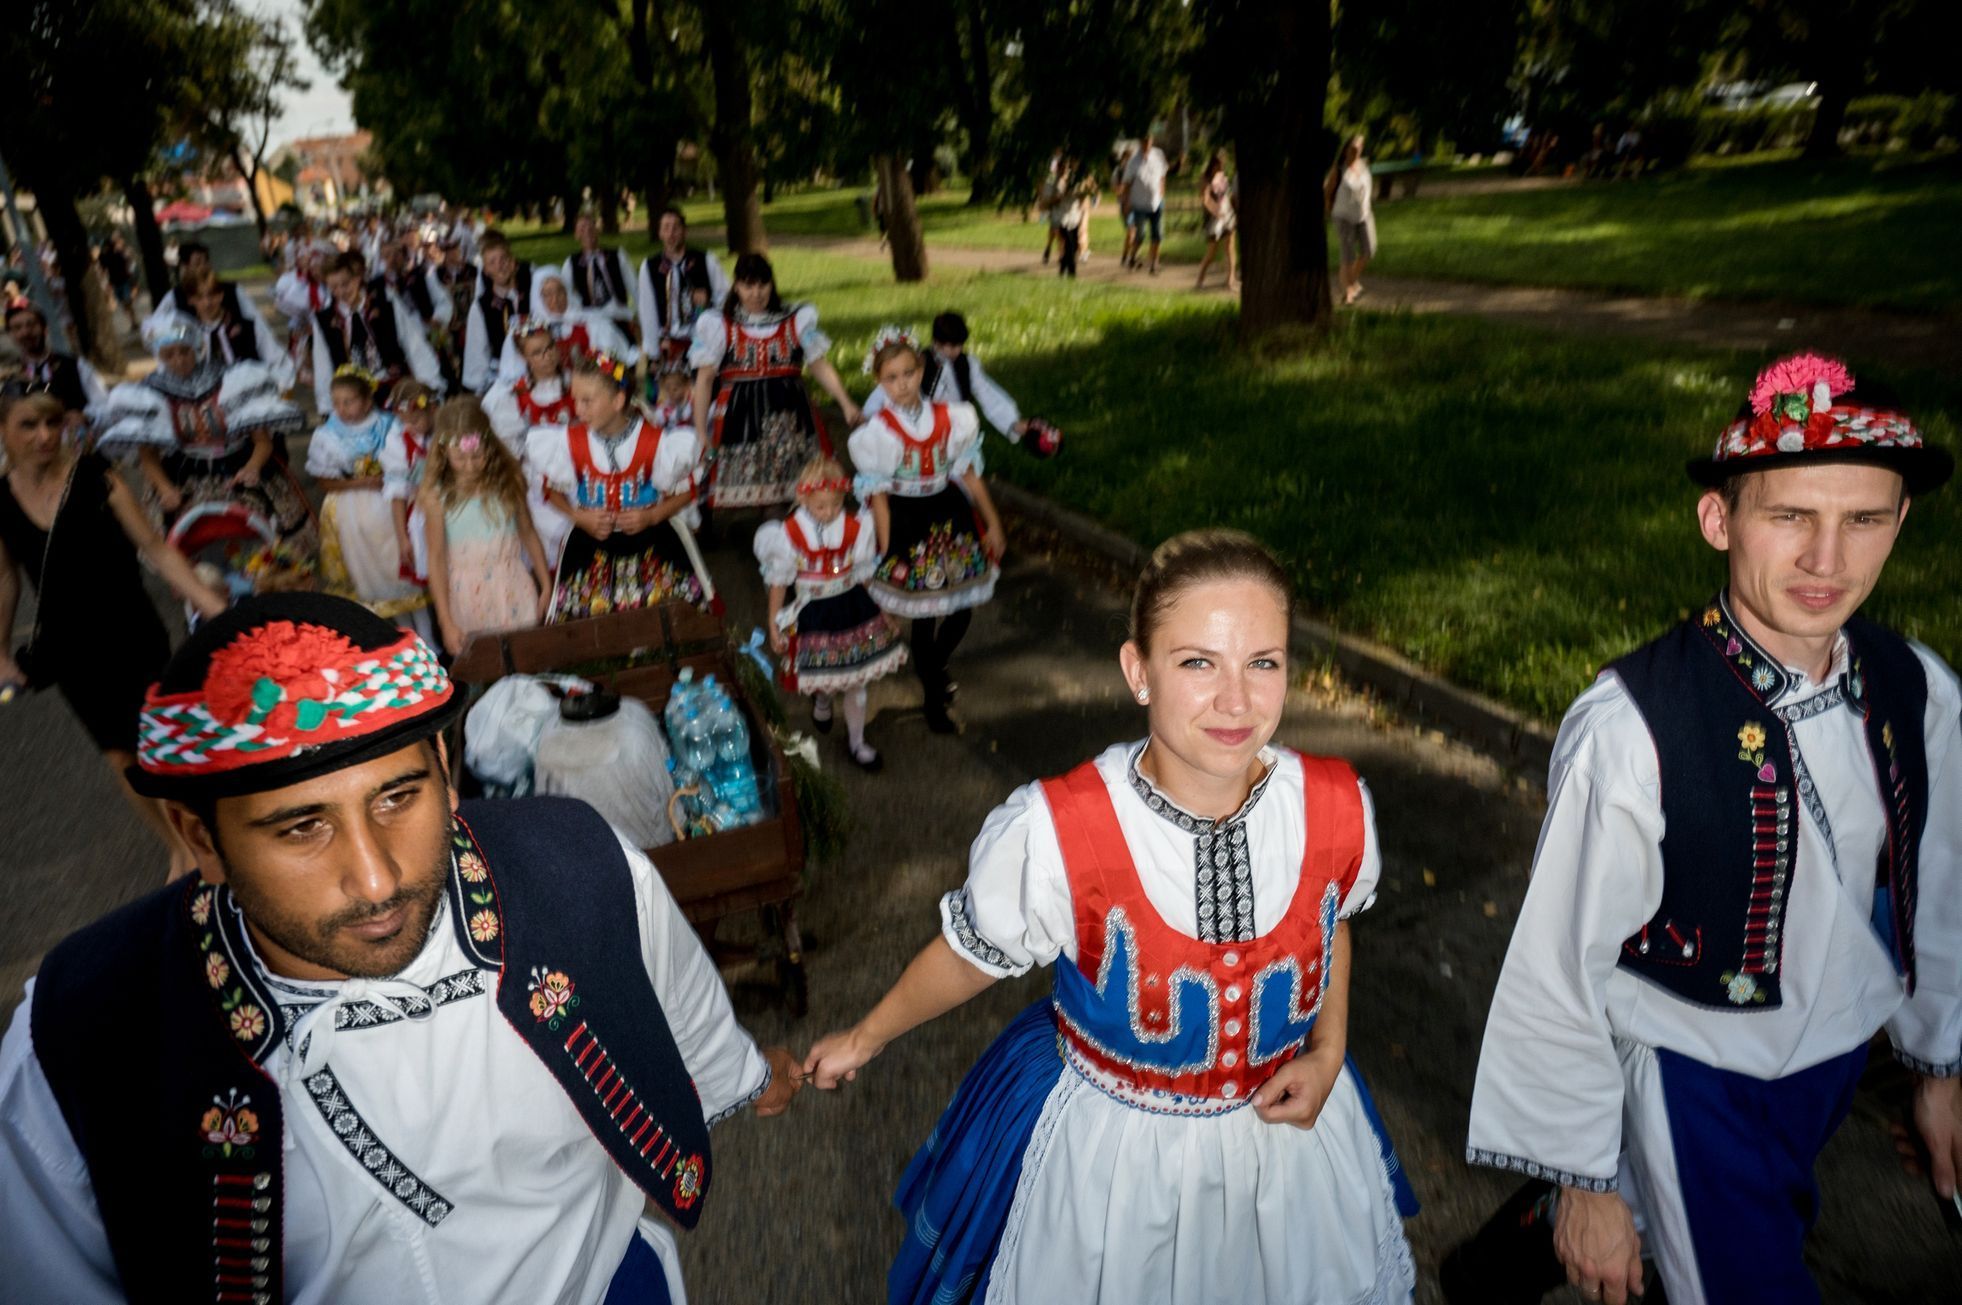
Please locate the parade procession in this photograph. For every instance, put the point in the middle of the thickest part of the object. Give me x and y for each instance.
(716, 707)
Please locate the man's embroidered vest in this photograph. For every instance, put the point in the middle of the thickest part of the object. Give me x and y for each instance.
(1166, 1022)
(693, 267)
(414, 288)
(613, 276)
(181, 1128)
(498, 312)
(375, 343)
(1732, 783)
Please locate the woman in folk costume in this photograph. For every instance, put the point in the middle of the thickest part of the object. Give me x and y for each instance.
(629, 489)
(300, 293)
(540, 395)
(1179, 1122)
(833, 638)
(749, 358)
(579, 332)
(205, 433)
(360, 556)
(940, 539)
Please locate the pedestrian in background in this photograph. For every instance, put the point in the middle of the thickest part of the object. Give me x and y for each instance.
(1216, 197)
(1142, 180)
(1349, 193)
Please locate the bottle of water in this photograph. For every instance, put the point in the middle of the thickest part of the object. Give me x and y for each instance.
(678, 700)
(733, 778)
(694, 745)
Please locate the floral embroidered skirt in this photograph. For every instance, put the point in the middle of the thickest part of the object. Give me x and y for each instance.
(842, 642)
(934, 563)
(621, 573)
(359, 558)
(277, 497)
(769, 430)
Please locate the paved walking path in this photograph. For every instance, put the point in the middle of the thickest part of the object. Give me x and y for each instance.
(1901, 339)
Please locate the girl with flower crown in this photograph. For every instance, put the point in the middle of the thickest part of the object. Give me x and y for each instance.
(749, 358)
(940, 539)
(629, 489)
(487, 568)
(360, 555)
(833, 638)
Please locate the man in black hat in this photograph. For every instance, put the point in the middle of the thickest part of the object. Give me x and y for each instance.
(1751, 863)
(388, 1046)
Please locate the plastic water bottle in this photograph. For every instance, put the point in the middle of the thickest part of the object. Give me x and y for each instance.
(733, 778)
(678, 700)
(696, 749)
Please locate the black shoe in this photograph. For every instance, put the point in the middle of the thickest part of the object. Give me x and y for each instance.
(939, 719)
(1509, 1261)
(953, 691)
(822, 724)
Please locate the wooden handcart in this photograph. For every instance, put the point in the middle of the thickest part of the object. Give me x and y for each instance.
(640, 654)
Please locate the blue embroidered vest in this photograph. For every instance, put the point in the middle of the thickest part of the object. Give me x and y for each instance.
(1731, 785)
(152, 1026)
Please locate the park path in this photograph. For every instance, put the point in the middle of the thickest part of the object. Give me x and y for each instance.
(1900, 339)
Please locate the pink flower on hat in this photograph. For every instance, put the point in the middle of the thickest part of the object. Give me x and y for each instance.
(1798, 374)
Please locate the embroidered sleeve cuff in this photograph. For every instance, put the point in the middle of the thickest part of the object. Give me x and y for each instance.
(1930, 1068)
(755, 1095)
(957, 926)
(1534, 1169)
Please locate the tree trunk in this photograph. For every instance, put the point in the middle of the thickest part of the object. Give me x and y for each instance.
(976, 100)
(657, 178)
(1284, 53)
(251, 175)
(733, 137)
(149, 236)
(1835, 93)
(903, 234)
(93, 339)
(609, 207)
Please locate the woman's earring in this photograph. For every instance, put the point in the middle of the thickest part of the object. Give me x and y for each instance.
(1144, 695)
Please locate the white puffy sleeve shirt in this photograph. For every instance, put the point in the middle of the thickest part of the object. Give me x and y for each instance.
(1015, 913)
(877, 452)
(537, 1210)
(778, 559)
(548, 456)
(1548, 1098)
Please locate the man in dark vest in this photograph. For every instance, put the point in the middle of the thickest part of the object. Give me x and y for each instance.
(457, 277)
(405, 277)
(70, 379)
(376, 332)
(386, 1046)
(503, 296)
(676, 284)
(1751, 864)
(193, 259)
(954, 375)
(599, 278)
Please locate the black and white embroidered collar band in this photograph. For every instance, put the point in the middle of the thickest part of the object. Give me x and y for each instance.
(1222, 881)
(1785, 700)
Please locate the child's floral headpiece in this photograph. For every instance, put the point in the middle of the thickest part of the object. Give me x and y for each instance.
(888, 336)
(826, 484)
(529, 324)
(614, 369)
(360, 375)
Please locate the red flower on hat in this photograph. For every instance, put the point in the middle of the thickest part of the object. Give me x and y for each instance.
(1798, 375)
(289, 655)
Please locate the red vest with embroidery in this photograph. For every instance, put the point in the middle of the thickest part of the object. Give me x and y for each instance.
(556, 413)
(631, 487)
(199, 424)
(922, 457)
(817, 565)
(754, 352)
(1165, 1021)
(575, 344)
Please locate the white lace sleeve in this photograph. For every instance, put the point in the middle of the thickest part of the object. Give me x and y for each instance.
(548, 457)
(134, 415)
(774, 554)
(875, 456)
(964, 440)
(816, 343)
(1014, 911)
(711, 339)
(327, 456)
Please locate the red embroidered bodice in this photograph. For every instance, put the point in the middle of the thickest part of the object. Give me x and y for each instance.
(575, 344)
(755, 352)
(632, 487)
(819, 565)
(1171, 1023)
(556, 413)
(199, 424)
(922, 457)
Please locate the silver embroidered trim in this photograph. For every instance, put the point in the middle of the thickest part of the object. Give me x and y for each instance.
(1929, 1068)
(367, 1014)
(1223, 890)
(1293, 1013)
(1117, 922)
(1814, 804)
(1817, 705)
(970, 939)
(424, 1201)
(755, 1094)
(1534, 1169)
(1033, 1156)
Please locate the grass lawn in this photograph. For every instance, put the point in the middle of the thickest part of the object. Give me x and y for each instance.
(1855, 231)
(1505, 506)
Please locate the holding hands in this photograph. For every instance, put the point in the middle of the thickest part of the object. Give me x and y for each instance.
(836, 1058)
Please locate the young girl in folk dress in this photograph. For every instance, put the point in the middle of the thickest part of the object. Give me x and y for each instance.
(1179, 1123)
(403, 456)
(360, 556)
(749, 358)
(518, 405)
(629, 488)
(487, 567)
(833, 638)
(940, 539)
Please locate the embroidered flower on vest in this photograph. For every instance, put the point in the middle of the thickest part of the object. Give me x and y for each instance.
(551, 996)
(230, 1126)
(1741, 988)
(216, 970)
(1751, 749)
(472, 867)
(248, 1022)
(484, 925)
(688, 1182)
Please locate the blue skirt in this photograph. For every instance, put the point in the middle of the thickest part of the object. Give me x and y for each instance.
(957, 1192)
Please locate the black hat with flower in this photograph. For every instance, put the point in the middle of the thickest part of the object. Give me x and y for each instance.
(1807, 409)
(284, 688)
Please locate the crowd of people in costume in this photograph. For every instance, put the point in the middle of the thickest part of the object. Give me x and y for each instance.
(395, 1045)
